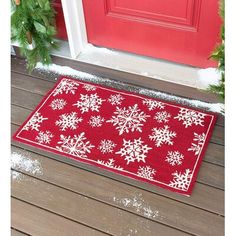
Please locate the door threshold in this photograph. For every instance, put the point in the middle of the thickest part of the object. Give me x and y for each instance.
(149, 67)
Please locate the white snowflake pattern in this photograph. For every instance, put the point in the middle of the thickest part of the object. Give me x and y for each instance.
(153, 104)
(106, 146)
(162, 135)
(89, 102)
(66, 86)
(174, 158)
(76, 145)
(89, 87)
(146, 172)
(68, 121)
(128, 119)
(134, 150)
(181, 180)
(35, 122)
(58, 104)
(162, 117)
(44, 137)
(110, 163)
(200, 139)
(96, 121)
(190, 117)
(116, 99)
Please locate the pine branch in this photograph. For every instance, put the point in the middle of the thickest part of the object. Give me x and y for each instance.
(33, 27)
(219, 56)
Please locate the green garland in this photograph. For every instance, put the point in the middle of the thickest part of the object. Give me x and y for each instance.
(33, 27)
(219, 56)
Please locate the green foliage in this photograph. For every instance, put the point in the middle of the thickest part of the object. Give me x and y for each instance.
(37, 18)
(219, 56)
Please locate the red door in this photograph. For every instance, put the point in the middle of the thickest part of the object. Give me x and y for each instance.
(183, 31)
(60, 21)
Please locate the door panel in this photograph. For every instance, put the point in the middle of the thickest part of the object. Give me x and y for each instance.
(183, 31)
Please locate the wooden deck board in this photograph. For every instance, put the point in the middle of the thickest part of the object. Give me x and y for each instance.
(70, 192)
(17, 233)
(36, 221)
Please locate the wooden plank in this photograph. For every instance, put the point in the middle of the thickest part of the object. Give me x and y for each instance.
(204, 197)
(32, 84)
(36, 221)
(42, 86)
(18, 65)
(218, 135)
(215, 154)
(212, 174)
(15, 232)
(110, 219)
(21, 98)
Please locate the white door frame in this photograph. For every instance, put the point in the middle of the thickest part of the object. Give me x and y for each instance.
(75, 26)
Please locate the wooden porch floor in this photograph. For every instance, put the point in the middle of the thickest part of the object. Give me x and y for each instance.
(70, 199)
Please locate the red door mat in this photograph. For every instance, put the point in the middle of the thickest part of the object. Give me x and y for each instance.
(146, 139)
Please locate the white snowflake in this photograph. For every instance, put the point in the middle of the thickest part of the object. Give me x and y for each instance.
(116, 99)
(162, 117)
(34, 122)
(200, 139)
(180, 180)
(174, 158)
(106, 146)
(58, 104)
(190, 117)
(146, 172)
(68, 121)
(89, 102)
(128, 119)
(153, 104)
(75, 145)
(96, 121)
(110, 163)
(89, 87)
(44, 137)
(134, 150)
(66, 86)
(162, 135)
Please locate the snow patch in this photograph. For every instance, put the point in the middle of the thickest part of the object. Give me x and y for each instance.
(132, 232)
(64, 70)
(213, 107)
(68, 71)
(17, 176)
(23, 163)
(92, 49)
(138, 204)
(206, 77)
